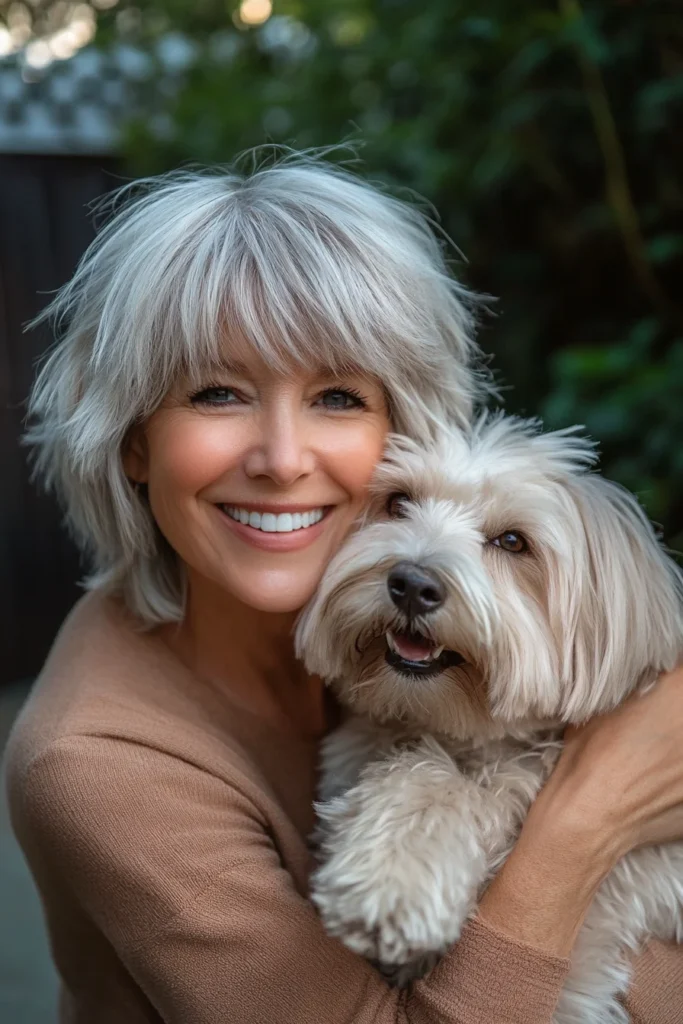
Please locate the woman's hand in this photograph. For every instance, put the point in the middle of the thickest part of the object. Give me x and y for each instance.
(620, 776)
(617, 785)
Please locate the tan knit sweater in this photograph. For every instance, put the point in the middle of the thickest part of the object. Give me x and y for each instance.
(166, 830)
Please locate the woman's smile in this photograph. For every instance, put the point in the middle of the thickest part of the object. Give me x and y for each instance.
(256, 476)
(276, 527)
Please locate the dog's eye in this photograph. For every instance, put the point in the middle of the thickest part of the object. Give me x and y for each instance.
(511, 541)
(396, 504)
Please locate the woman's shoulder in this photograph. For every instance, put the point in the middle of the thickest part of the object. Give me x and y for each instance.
(131, 829)
(107, 681)
(130, 788)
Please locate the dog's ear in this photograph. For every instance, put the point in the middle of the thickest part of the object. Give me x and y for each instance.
(620, 619)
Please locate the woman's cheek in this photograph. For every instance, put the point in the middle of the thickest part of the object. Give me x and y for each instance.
(356, 454)
(190, 453)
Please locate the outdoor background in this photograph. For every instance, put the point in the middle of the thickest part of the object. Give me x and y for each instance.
(548, 136)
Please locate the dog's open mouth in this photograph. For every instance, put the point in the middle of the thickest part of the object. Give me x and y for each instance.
(413, 654)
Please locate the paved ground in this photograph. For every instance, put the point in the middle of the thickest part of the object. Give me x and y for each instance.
(28, 982)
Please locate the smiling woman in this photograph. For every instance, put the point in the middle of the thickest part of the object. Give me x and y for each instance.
(298, 266)
(263, 462)
(233, 352)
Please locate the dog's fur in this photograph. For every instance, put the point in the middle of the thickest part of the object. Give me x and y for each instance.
(425, 788)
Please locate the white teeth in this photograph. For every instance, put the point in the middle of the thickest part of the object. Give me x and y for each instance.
(432, 656)
(269, 522)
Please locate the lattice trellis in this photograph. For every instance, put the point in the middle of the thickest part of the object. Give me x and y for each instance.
(78, 105)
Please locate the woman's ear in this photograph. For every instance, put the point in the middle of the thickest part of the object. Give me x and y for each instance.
(135, 454)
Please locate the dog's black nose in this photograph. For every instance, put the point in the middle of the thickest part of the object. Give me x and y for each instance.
(415, 590)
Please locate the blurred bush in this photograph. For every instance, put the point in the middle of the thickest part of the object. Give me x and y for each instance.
(549, 136)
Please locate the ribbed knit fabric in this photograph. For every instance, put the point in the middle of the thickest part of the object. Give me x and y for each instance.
(657, 986)
(166, 829)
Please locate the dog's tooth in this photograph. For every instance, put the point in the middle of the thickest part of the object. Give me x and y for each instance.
(438, 651)
(391, 641)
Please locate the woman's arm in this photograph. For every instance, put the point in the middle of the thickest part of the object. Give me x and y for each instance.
(178, 870)
(543, 891)
(656, 992)
(618, 785)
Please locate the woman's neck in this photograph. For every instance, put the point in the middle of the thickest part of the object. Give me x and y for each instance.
(249, 653)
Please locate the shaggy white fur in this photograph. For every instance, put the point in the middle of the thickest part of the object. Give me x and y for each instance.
(497, 591)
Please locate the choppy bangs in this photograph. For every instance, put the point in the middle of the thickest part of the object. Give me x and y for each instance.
(305, 263)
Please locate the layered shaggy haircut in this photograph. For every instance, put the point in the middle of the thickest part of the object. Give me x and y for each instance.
(498, 591)
(299, 258)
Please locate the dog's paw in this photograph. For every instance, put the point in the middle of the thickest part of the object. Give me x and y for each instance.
(401, 858)
(388, 918)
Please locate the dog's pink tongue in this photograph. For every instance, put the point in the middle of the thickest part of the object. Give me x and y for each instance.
(412, 650)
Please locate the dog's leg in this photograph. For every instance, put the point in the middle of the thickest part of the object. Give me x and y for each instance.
(405, 852)
(641, 897)
(344, 754)
(346, 751)
(599, 972)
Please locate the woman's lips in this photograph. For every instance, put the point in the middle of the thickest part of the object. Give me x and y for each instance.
(294, 541)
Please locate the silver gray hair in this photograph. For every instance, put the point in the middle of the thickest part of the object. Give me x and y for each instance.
(304, 261)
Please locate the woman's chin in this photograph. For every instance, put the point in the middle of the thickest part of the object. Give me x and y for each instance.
(277, 593)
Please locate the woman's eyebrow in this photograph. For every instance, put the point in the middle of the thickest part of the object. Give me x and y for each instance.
(335, 372)
(232, 366)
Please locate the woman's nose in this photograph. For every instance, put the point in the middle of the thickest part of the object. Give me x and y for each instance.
(283, 451)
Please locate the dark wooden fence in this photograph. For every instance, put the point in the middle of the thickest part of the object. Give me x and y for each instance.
(44, 228)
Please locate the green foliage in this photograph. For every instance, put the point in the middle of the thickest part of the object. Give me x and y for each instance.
(548, 136)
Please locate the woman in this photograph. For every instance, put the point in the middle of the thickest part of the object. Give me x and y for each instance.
(234, 352)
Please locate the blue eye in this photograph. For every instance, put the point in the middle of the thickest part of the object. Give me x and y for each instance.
(214, 395)
(342, 398)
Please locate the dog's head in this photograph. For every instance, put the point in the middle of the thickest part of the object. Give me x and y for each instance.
(494, 581)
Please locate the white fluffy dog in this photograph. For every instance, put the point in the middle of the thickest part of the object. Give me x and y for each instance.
(497, 591)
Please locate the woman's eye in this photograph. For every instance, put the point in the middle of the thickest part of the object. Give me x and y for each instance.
(342, 398)
(396, 505)
(511, 541)
(214, 395)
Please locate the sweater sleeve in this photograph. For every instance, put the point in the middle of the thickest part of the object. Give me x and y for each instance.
(177, 869)
(656, 992)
